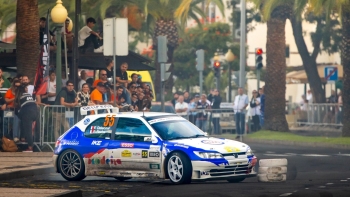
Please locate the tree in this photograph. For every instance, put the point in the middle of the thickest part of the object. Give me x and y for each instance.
(276, 15)
(27, 44)
(163, 18)
(342, 7)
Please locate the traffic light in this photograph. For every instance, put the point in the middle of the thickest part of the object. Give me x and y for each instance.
(200, 60)
(162, 49)
(217, 68)
(258, 58)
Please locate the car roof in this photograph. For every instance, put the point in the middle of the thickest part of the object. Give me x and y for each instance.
(133, 114)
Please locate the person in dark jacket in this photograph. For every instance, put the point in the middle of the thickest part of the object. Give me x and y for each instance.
(215, 101)
(27, 112)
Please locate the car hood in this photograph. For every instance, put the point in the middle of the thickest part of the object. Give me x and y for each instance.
(211, 144)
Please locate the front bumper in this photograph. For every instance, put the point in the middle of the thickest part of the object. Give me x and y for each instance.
(203, 170)
(54, 160)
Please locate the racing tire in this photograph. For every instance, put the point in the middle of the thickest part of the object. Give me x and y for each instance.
(236, 180)
(179, 168)
(272, 177)
(121, 179)
(272, 162)
(71, 165)
(273, 170)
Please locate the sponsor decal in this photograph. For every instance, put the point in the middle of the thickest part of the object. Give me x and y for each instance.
(86, 121)
(154, 166)
(165, 119)
(136, 154)
(154, 154)
(126, 153)
(181, 145)
(127, 145)
(99, 129)
(70, 143)
(212, 142)
(147, 139)
(231, 149)
(125, 173)
(144, 153)
(95, 142)
(104, 161)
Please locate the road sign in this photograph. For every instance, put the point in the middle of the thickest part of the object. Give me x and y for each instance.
(331, 73)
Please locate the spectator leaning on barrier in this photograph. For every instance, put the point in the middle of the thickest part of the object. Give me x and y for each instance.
(262, 106)
(52, 88)
(67, 98)
(9, 98)
(192, 109)
(27, 112)
(215, 100)
(239, 106)
(255, 110)
(181, 107)
(202, 114)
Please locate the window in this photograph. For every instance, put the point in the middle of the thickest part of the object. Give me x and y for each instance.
(132, 129)
(97, 130)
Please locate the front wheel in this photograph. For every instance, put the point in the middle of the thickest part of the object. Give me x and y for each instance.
(71, 166)
(236, 180)
(179, 168)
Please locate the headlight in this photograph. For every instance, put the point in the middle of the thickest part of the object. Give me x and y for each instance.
(250, 152)
(206, 155)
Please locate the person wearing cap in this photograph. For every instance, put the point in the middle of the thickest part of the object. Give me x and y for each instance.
(96, 95)
(86, 36)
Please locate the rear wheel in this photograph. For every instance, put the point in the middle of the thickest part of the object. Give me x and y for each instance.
(71, 166)
(121, 179)
(236, 180)
(179, 168)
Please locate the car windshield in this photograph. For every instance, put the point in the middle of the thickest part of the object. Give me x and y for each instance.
(176, 129)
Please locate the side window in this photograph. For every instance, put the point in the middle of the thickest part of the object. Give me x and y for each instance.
(97, 130)
(132, 129)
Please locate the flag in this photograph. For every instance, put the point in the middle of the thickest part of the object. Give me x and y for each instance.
(42, 71)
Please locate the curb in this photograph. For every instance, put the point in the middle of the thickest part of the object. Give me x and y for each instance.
(294, 143)
(73, 193)
(26, 173)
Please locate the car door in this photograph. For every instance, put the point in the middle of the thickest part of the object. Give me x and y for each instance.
(132, 149)
(97, 138)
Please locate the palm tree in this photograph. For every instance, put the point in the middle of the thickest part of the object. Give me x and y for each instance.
(275, 12)
(27, 42)
(343, 8)
(164, 17)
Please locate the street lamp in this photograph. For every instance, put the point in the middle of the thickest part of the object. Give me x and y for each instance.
(59, 15)
(230, 57)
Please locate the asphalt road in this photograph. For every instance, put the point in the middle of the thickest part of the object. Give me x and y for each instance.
(312, 172)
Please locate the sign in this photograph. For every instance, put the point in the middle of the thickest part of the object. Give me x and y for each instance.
(331, 73)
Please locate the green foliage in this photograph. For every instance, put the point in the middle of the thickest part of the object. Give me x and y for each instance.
(209, 38)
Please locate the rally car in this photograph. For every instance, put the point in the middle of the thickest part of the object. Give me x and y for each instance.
(149, 144)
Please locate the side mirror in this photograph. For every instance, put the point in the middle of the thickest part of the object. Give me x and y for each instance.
(154, 140)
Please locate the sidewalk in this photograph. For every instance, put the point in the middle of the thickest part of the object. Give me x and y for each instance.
(19, 164)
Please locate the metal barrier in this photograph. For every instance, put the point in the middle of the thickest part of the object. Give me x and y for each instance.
(55, 120)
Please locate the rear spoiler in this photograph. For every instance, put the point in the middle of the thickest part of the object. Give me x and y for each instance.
(96, 108)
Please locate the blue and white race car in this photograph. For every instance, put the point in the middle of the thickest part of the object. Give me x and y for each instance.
(153, 145)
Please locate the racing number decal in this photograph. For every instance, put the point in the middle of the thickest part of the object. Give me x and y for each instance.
(109, 121)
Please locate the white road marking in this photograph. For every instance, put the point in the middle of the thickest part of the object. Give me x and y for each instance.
(277, 155)
(286, 194)
(314, 155)
(329, 184)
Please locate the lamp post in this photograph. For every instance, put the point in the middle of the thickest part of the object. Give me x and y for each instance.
(230, 57)
(59, 15)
